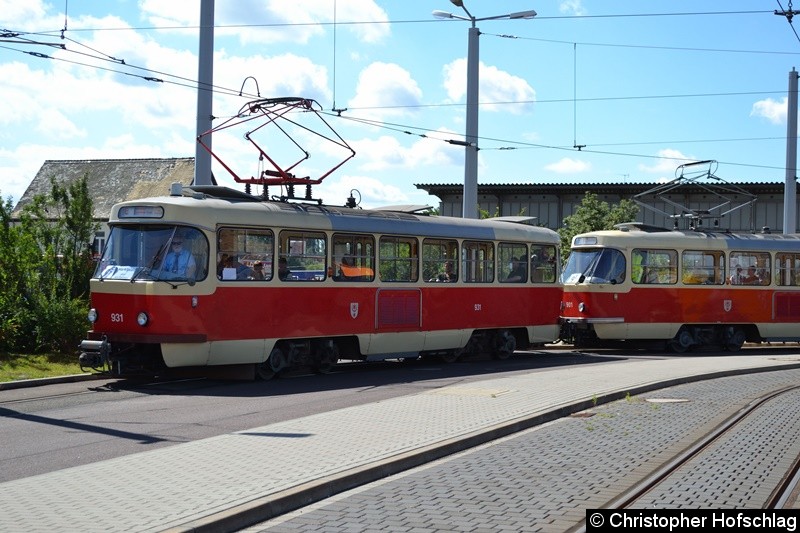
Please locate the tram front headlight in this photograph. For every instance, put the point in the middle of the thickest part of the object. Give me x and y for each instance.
(92, 315)
(142, 319)
(581, 307)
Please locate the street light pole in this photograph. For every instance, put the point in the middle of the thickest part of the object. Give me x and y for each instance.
(470, 204)
(470, 194)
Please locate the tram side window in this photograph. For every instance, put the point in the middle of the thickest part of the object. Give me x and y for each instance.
(399, 259)
(750, 268)
(787, 269)
(305, 255)
(245, 254)
(513, 262)
(477, 261)
(701, 267)
(543, 263)
(353, 257)
(439, 260)
(654, 267)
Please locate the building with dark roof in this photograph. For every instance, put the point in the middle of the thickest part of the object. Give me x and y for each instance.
(115, 180)
(111, 181)
(551, 203)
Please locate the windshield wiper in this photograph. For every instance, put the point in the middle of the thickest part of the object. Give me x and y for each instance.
(152, 264)
(590, 267)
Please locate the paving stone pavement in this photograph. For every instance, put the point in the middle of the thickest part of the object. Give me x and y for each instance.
(545, 478)
(227, 482)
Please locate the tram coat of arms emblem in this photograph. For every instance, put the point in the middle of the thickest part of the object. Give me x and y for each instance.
(353, 309)
(727, 305)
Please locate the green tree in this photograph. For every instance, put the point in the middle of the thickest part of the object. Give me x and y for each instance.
(12, 279)
(594, 215)
(47, 263)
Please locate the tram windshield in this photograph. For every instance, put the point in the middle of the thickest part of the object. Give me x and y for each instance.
(154, 252)
(596, 265)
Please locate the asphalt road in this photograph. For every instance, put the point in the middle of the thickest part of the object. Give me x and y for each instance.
(57, 426)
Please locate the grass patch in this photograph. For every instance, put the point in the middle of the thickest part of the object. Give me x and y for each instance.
(14, 367)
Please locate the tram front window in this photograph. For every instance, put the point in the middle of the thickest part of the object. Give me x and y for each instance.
(598, 265)
(149, 252)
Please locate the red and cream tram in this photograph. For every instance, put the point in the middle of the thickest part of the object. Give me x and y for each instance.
(212, 276)
(687, 288)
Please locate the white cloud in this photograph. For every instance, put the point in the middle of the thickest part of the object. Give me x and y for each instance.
(669, 160)
(25, 15)
(569, 166)
(385, 89)
(272, 21)
(386, 152)
(572, 7)
(371, 192)
(495, 85)
(299, 77)
(773, 111)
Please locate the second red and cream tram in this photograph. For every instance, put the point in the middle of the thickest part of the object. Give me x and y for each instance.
(689, 289)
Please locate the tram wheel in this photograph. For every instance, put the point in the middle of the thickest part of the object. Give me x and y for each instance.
(682, 341)
(328, 356)
(264, 372)
(735, 340)
(504, 345)
(277, 360)
(450, 356)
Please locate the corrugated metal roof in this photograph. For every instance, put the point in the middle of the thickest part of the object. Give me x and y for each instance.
(533, 188)
(112, 180)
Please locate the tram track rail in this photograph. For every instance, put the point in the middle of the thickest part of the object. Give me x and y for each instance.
(784, 493)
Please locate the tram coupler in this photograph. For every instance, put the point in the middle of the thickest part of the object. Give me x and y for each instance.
(94, 354)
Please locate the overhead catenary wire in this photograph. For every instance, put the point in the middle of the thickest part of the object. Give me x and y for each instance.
(508, 144)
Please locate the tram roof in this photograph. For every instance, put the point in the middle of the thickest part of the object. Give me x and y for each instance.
(632, 235)
(208, 211)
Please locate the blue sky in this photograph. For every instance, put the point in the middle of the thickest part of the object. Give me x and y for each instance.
(642, 86)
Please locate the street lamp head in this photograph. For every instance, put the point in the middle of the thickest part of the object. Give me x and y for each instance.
(457, 3)
(445, 15)
(523, 15)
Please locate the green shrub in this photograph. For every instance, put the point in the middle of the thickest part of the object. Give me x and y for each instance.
(60, 325)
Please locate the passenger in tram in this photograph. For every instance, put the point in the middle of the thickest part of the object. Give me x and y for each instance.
(449, 274)
(258, 271)
(234, 270)
(751, 278)
(737, 276)
(347, 268)
(349, 271)
(518, 272)
(179, 260)
(543, 266)
(283, 269)
(694, 277)
(223, 260)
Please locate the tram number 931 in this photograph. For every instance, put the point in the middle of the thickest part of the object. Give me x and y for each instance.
(117, 317)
